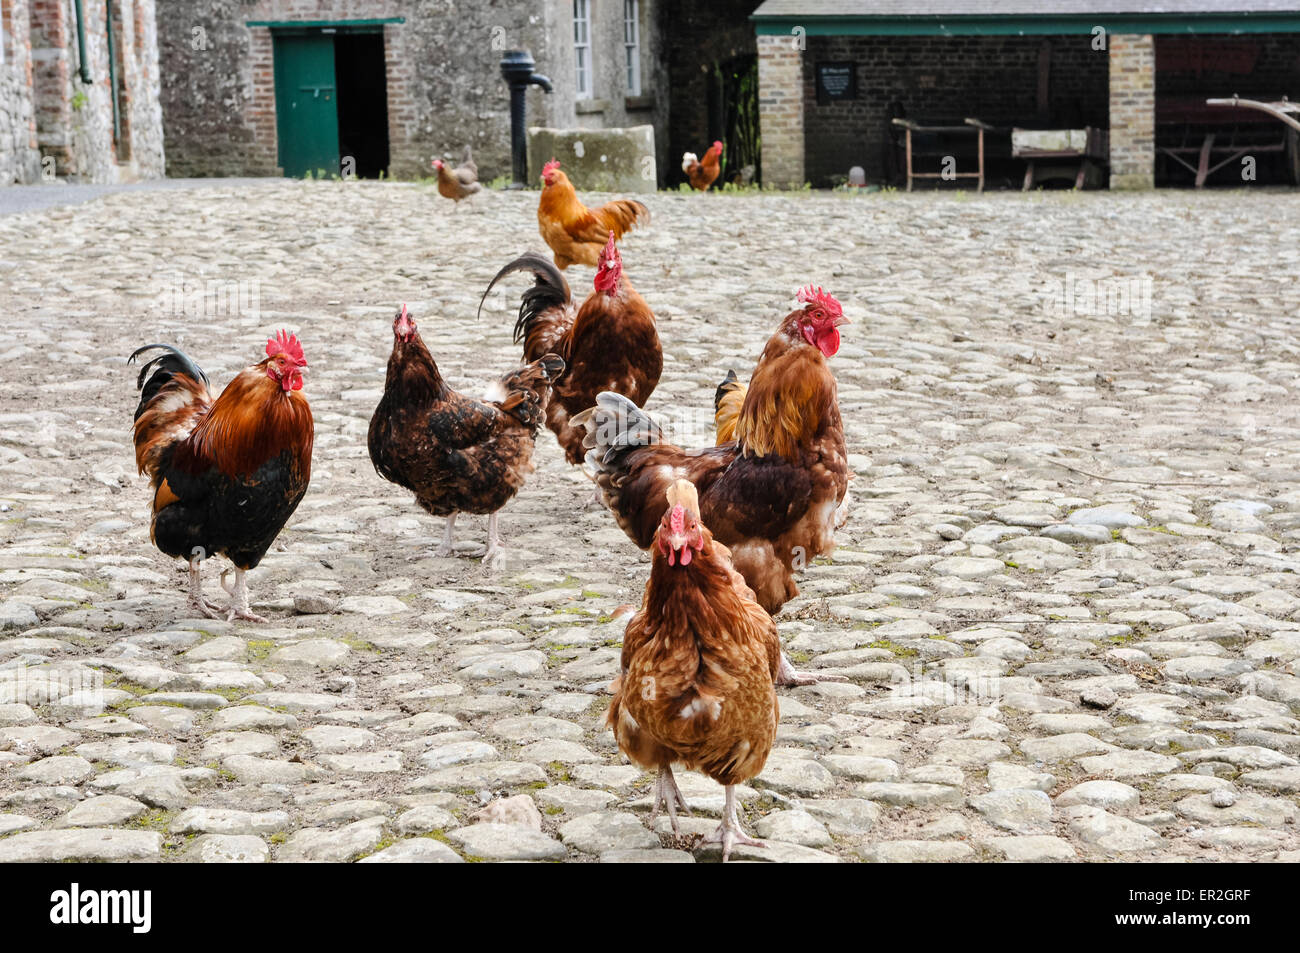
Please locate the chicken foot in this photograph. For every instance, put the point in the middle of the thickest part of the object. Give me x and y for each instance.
(729, 832)
(239, 598)
(669, 795)
(197, 602)
(787, 676)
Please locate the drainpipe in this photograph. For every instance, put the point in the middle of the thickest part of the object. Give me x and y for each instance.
(84, 71)
(112, 73)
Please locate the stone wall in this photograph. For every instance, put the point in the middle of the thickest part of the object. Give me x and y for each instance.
(781, 110)
(990, 78)
(1132, 111)
(73, 118)
(19, 155)
(442, 64)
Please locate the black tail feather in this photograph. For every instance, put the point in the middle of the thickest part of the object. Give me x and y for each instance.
(161, 369)
(549, 290)
(723, 388)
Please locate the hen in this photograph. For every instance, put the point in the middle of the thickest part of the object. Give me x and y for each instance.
(455, 454)
(609, 342)
(771, 495)
(576, 233)
(699, 662)
(702, 173)
(460, 182)
(226, 474)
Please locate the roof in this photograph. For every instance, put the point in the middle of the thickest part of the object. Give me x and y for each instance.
(1003, 17)
(951, 8)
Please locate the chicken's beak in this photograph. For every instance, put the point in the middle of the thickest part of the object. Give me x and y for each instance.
(842, 320)
(677, 542)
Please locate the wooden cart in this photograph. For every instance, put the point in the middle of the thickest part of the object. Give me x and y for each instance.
(1192, 133)
(1060, 153)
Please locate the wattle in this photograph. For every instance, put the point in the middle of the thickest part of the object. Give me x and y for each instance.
(828, 342)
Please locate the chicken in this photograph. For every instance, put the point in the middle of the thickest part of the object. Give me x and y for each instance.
(457, 455)
(460, 182)
(703, 173)
(772, 494)
(576, 233)
(698, 668)
(226, 474)
(609, 342)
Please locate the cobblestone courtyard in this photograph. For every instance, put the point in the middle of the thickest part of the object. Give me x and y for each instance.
(1066, 600)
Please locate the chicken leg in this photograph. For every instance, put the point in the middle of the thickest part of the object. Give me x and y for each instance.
(669, 795)
(197, 601)
(239, 598)
(448, 545)
(495, 557)
(729, 832)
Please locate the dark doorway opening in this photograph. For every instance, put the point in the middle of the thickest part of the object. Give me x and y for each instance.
(362, 103)
(733, 119)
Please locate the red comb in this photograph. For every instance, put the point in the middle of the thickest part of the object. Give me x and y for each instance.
(820, 298)
(610, 250)
(677, 520)
(285, 343)
(550, 167)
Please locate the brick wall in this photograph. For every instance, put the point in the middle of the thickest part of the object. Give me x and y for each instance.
(19, 155)
(781, 110)
(1132, 111)
(991, 78)
(1275, 70)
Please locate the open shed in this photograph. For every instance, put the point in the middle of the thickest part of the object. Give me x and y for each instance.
(834, 74)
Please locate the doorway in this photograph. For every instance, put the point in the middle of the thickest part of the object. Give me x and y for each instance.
(331, 101)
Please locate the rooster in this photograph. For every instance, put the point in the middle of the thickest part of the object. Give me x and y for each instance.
(576, 233)
(457, 455)
(772, 494)
(609, 342)
(227, 473)
(703, 173)
(698, 667)
(460, 182)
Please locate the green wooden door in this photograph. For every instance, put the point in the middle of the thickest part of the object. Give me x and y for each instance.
(306, 104)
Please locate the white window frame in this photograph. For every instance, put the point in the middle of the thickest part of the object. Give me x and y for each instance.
(632, 45)
(582, 49)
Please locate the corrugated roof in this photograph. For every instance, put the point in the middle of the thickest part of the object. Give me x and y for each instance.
(1015, 8)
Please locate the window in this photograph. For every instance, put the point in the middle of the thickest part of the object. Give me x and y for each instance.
(632, 46)
(582, 48)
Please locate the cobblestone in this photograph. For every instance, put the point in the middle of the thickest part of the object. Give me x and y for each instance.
(1066, 599)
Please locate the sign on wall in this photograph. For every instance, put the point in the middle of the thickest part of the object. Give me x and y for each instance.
(836, 81)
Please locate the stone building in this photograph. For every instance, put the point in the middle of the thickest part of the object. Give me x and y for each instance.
(267, 87)
(79, 91)
(1140, 68)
